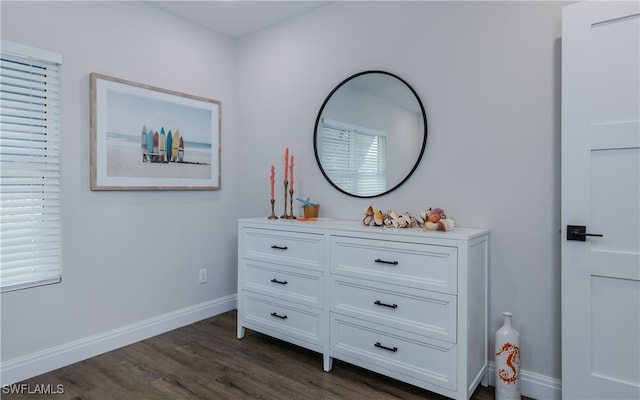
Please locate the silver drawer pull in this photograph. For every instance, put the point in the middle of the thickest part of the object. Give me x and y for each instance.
(274, 280)
(386, 262)
(379, 303)
(273, 314)
(392, 349)
(279, 247)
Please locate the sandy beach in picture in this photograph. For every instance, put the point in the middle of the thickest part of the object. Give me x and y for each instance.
(124, 159)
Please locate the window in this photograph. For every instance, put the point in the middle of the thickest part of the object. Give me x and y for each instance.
(354, 158)
(30, 234)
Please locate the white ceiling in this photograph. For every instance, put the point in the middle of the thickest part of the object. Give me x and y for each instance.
(237, 18)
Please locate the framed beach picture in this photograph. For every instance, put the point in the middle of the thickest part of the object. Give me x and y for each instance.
(147, 138)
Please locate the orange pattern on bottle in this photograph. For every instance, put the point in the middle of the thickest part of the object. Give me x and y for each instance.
(513, 362)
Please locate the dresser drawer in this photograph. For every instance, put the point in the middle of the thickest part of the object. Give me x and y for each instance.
(409, 264)
(295, 249)
(293, 285)
(418, 311)
(300, 323)
(394, 352)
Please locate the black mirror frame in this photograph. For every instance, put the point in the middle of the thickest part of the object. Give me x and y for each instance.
(424, 141)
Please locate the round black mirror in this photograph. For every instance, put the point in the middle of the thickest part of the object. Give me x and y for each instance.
(370, 134)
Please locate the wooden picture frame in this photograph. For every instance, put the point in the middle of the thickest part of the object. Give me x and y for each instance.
(134, 128)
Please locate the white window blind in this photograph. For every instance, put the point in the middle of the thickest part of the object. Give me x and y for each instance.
(30, 234)
(354, 158)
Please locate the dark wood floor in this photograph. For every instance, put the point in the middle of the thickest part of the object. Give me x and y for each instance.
(205, 360)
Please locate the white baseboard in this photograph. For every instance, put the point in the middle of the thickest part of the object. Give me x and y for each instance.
(34, 364)
(532, 385)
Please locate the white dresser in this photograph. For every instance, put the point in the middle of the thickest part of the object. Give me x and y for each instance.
(406, 303)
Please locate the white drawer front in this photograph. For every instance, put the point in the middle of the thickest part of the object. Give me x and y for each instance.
(295, 249)
(419, 311)
(403, 355)
(303, 324)
(408, 264)
(293, 285)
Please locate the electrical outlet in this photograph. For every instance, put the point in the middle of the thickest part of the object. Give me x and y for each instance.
(203, 275)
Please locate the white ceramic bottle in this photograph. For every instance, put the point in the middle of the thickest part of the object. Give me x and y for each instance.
(507, 361)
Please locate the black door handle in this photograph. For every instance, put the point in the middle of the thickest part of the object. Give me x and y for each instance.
(579, 233)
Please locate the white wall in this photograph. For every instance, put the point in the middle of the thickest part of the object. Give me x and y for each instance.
(489, 76)
(123, 261)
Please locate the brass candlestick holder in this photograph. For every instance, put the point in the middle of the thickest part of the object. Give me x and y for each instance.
(286, 184)
(291, 216)
(273, 215)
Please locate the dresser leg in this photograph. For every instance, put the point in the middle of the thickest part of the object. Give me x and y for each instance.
(240, 331)
(485, 378)
(328, 363)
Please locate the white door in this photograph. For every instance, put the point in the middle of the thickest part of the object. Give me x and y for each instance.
(601, 191)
